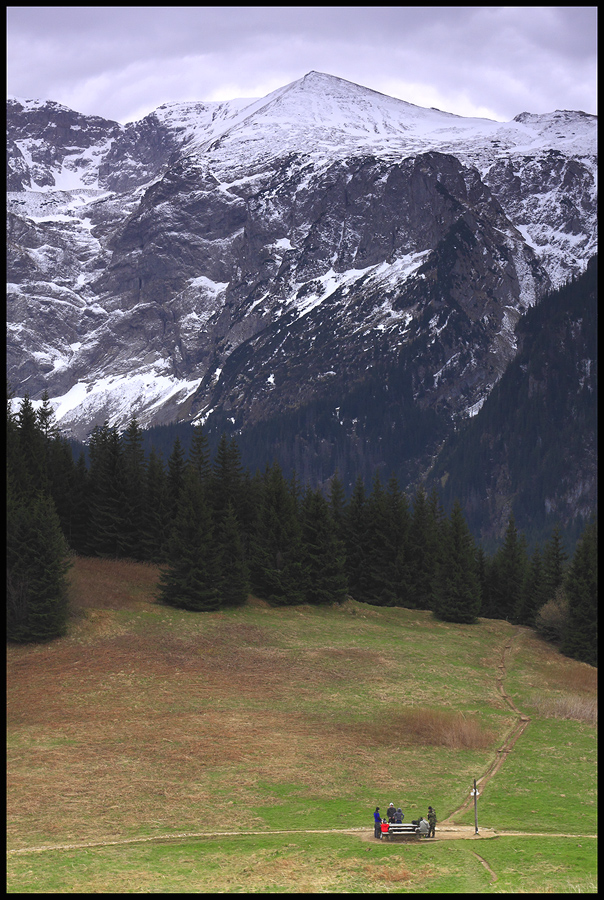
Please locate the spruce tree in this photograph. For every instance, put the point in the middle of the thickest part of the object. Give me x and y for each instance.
(337, 504)
(580, 640)
(422, 558)
(62, 484)
(156, 511)
(232, 572)
(226, 483)
(323, 555)
(356, 542)
(80, 508)
(508, 574)
(534, 591)
(381, 548)
(199, 457)
(555, 559)
(134, 475)
(37, 564)
(108, 530)
(31, 466)
(189, 578)
(276, 568)
(46, 419)
(176, 474)
(456, 585)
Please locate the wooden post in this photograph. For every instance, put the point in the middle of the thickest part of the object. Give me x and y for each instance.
(475, 807)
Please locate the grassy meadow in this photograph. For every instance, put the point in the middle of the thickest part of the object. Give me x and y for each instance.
(178, 745)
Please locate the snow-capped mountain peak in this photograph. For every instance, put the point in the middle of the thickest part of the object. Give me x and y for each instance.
(241, 255)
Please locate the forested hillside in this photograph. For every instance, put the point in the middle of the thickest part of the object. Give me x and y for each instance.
(532, 448)
(220, 533)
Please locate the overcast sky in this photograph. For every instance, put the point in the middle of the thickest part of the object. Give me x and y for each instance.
(121, 62)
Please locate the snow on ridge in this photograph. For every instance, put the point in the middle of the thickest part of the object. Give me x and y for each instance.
(396, 271)
(116, 398)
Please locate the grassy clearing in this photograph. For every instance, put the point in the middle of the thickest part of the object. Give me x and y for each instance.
(314, 863)
(150, 722)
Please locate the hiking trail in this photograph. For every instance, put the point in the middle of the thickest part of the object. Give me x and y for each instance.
(512, 736)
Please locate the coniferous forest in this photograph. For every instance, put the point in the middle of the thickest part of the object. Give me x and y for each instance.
(219, 533)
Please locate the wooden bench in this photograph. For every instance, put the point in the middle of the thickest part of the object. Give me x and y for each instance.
(402, 832)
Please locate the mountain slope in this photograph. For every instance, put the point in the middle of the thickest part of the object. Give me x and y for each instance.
(532, 448)
(230, 263)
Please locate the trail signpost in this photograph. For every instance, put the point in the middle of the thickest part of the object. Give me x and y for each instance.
(475, 793)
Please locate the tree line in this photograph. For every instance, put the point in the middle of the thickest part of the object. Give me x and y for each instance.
(219, 533)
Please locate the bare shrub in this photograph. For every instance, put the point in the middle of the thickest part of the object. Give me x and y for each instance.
(442, 728)
(552, 618)
(434, 728)
(580, 709)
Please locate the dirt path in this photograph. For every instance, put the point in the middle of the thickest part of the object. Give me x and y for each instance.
(443, 833)
(512, 736)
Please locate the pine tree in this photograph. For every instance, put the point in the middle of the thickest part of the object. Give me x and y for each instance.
(581, 587)
(37, 564)
(323, 557)
(456, 585)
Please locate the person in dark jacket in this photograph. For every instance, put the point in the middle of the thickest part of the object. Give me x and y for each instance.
(377, 824)
(399, 816)
(431, 821)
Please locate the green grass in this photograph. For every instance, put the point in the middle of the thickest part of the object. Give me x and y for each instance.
(148, 723)
(314, 863)
(547, 784)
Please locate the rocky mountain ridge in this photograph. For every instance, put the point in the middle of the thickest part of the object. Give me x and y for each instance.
(235, 261)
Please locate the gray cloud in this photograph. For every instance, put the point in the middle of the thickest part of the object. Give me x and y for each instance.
(122, 62)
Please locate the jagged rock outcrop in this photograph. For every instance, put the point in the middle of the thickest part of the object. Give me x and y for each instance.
(242, 259)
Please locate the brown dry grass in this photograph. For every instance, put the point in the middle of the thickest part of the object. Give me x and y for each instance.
(573, 676)
(111, 584)
(576, 707)
(388, 874)
(150, 718)
(429, 728)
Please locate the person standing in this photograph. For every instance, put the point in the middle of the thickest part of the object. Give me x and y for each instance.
(431, 822)
(377, 819)
(391, 813)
